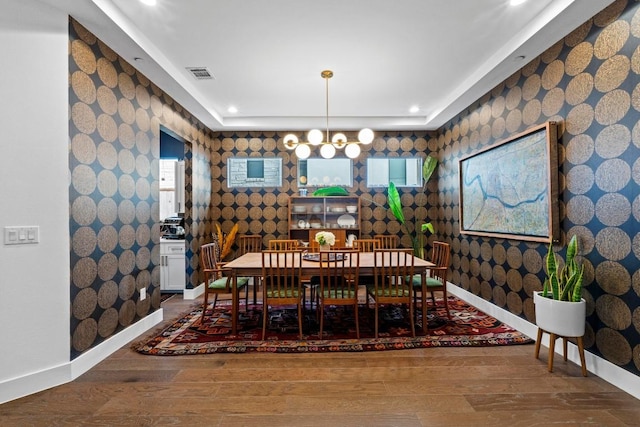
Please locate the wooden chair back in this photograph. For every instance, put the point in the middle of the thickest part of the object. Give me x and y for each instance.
(281, 282)
(366, 245)
(249, 243)
(391, 269)
(281, 271)
(209, 263)
(216, 281)
(387, 241)
(339, 280)
(283, 245)
(440, 256)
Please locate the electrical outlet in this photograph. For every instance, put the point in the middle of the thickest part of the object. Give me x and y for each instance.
(143, 294)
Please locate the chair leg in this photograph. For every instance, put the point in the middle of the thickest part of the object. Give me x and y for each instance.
(204, 305)
(300, 319)
(320, 311)
(376, 319)
(446, 303)
(413, 324)
(265, 312)
(355, 309)
(254, 282)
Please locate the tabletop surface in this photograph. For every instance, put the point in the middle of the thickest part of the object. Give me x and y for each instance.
(253, 260)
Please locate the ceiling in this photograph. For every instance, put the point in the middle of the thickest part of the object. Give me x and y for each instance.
(387, 56)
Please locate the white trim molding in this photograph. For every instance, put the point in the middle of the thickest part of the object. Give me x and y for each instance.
(35, 382)
(604, 369)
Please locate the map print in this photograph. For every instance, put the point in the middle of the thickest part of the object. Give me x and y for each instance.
(506, 189)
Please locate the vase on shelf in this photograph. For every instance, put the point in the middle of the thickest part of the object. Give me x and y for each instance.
(326, 247)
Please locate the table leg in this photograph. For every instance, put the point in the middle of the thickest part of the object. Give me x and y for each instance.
(423, 301)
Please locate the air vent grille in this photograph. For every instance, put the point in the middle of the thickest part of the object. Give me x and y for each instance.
(200, 73)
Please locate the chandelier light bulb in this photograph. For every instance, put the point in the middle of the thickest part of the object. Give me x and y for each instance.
(303, 151)
(315, 137)
(327, 151)
(290, 141)
(365, 136)
(339, 140)
(352, 150)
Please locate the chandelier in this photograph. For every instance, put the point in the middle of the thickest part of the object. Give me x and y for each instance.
(327, 145)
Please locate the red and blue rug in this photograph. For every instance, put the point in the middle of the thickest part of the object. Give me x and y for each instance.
(468, 327)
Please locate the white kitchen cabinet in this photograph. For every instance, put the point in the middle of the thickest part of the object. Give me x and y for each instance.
(172, 265)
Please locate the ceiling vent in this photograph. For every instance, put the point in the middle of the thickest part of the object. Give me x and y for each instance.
(200, 73)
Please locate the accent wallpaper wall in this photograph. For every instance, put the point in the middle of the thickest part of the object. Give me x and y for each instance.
(588, 82)
(115, 114)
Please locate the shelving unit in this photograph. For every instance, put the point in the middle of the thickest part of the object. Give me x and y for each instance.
(310, 215)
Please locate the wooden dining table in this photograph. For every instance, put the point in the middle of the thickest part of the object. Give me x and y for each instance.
(250, 264)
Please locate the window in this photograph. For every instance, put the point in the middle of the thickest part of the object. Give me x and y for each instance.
(404, 172)
(325, 172)
(245, 172)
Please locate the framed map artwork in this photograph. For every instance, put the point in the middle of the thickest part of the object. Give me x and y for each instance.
(510, 189)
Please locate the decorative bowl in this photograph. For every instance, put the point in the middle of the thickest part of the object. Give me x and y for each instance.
(352, 209)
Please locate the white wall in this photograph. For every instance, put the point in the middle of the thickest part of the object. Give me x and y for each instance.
(34, 279)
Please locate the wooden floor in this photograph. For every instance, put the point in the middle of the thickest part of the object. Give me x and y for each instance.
(495, 386)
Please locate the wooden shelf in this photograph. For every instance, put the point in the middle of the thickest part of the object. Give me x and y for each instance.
(323, 214)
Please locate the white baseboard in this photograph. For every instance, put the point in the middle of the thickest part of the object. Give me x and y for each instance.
(604, 369)
(193, 293)
(64, 373)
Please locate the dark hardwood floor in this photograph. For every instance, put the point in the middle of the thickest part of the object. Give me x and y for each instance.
(491, 386)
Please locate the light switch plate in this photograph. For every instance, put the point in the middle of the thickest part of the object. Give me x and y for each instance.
(21, 235)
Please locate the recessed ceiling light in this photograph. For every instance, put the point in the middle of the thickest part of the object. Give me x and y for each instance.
(149, 2)
(517, 2)
(414, 109)
(232, 110)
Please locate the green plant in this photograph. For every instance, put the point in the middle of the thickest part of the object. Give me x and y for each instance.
(564, 284)
(395, 204)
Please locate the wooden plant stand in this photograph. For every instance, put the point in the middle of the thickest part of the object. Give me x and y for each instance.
(552, 343)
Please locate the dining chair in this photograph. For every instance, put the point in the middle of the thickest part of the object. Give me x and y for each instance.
(281, 281)
(215, 281)
(391, 268)
(250, 243)
(436, 276)
(282, 244)
(387, 241)
(338, 282)
(366, 245)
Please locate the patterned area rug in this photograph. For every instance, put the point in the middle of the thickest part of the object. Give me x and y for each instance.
(468, 327)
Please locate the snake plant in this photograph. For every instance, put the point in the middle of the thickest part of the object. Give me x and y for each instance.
(564, 284)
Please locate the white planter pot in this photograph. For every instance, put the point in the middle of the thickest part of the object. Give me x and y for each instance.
(563, 318)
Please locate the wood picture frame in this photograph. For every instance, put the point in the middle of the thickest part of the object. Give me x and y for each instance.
(510, 189)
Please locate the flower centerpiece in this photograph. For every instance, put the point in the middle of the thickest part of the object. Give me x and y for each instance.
(325, 238)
